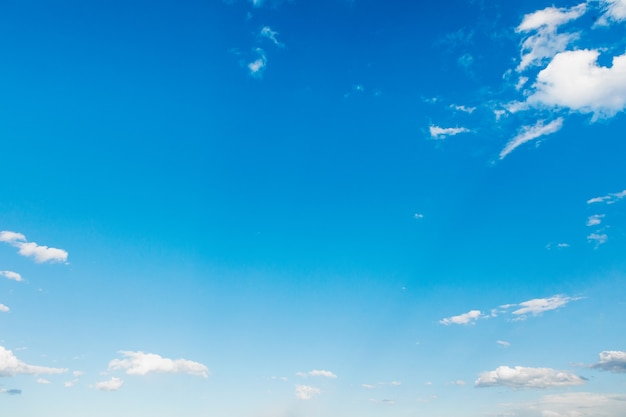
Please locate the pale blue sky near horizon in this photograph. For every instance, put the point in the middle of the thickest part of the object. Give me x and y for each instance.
(302, 209)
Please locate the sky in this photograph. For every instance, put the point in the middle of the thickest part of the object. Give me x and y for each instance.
(305, 208)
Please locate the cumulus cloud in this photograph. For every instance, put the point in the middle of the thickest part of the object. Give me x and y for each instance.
(612, 361)
(467, 318)
(140, 363)
(539, 305)
(113, 384)
(544, 41)
(11, 366)
(4, 308)
(306, 392)
(40, 253)
(11, 275)
(528, 133)
(609, 198)
(574, 80)
(523, 377)
(437, 132)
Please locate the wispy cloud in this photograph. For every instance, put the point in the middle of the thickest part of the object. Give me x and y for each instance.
(544, 41)
(467, 318)
(528, 133)
(598, 239)
(40, 253)
(437, 132)
(10, 391)
(11, 275)
(268, 33)
(595, 219)
(540, 305)
(523, 377)
(612, 361)
(11, 366)
(140, 363)
(611, 198)
(503, 343)
(614, 11)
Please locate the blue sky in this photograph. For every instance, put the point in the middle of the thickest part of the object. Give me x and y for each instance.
(301, 209)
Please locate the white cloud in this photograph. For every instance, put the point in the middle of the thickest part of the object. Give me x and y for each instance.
(608, 199)
(418, 216)
(528, 133)
(595, 219)
(462, 108)
(459, 382)
(612, 361)
(4, 309)
(575, 81)
(523, 377)
(42, 381)
(368, 386)
(257, 66)
(112, 384)
(466, 318)
(11, 366)
(140, 363)
(437, 132)
(545, 42)
(268, 33)
(598, 238)
(571, 404)
(325, 374)
(614, 11)
(11, 275)
(563, 245)
(539, 305)
(306, 392)
(503, 343)
(31, 249)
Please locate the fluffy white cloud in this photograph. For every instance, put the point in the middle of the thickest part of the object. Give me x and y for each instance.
(4, 309)
(466, 318)
(539, 305)
(11, 275)
(140, 363)
(595, 219)
(11, 366)
(40, 253)
(575, 81)
(528, 133)
(437, 132)
(112, 384)
(608, 199)
(523, 377)
(612, 360)
(545, 42)
(306, 392)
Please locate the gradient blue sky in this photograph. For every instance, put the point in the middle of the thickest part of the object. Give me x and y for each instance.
(313, 208)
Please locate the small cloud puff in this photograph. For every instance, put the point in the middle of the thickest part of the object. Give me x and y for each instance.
(612, 361)
(306, 392)
(140, 363)
(437, 132)
(11, 366)
(113, 384)
(11, 275)
(40, 253)
(467, 318)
